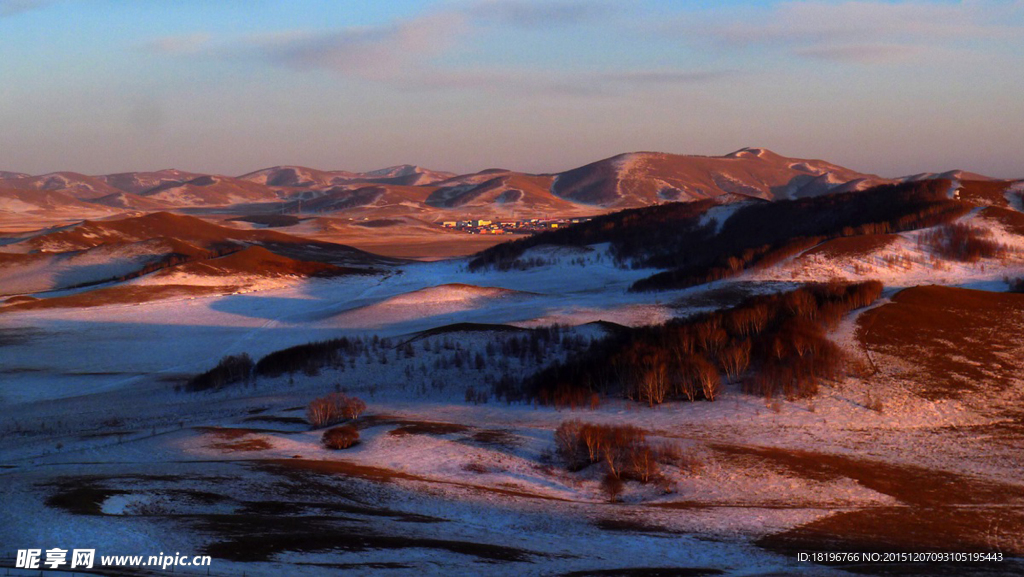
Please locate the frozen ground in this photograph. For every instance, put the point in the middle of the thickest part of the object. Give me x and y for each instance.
(99, 450)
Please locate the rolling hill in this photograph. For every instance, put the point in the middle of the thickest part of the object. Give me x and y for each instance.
(644, 178)
(623, 181)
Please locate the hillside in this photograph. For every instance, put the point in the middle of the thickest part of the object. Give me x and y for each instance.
(643, 178)
(700, 242)
(93, 255)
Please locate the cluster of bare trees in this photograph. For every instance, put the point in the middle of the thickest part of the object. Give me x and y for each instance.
(651, 374)
(333, 408)
(775, 344)
(963, 242)
(623, 451)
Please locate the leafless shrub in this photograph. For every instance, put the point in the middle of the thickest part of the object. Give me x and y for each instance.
(612, 487)
(341, 437)
(621, 450)
(568, 445)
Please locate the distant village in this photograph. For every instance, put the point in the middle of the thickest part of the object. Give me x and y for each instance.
(530, 226)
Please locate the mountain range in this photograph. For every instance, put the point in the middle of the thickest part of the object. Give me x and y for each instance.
(624, 181)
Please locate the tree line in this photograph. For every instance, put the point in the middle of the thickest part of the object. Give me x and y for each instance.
(771, 344)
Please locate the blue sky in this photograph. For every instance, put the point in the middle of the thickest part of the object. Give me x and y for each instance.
(230, 86)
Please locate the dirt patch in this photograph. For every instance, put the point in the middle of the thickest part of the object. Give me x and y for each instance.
(957, 341)
(406, 427)
(237, 439)
(259, 444)
(427, 428)
(338, 467)
(499, 438)
(231, 433)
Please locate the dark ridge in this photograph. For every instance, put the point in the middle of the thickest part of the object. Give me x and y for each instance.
(471, 327)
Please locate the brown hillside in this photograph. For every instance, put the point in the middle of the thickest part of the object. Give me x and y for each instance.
(984, 192)
(258, 261)
(852, 246)
(950, 342)
(197, 232)
(643, 178)
(1012, 220)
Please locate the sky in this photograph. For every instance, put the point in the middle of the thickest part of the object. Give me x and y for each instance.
(232, 86)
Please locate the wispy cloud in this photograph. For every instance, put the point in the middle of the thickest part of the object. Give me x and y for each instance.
(533, 13)
(186, 44)
(12, 7)
(406, 53)
(545, 83)
(369, 52)
(867, 32)
(663, 77)
(861, 53)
